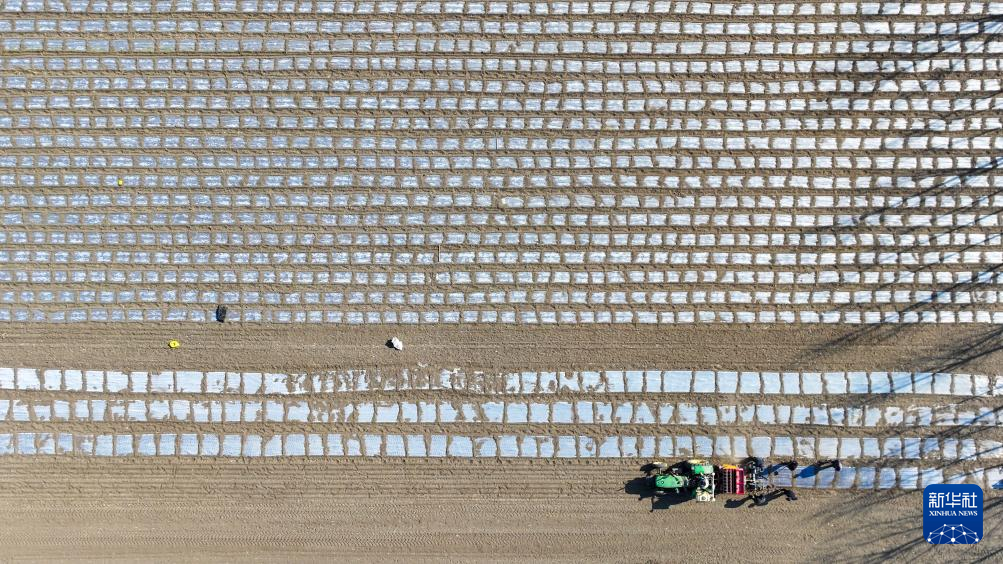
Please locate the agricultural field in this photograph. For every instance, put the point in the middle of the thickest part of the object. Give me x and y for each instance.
(602, 233)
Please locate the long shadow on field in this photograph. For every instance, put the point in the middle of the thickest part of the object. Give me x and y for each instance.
(857, 534)
(901, 537)
(992, 523)
(934, 291)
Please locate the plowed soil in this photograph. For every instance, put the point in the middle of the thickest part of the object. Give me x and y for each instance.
(433, 510)
(505, 186)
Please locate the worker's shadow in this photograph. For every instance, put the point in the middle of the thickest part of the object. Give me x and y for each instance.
(807, 472)
(737, 503)
(642, 488)
(775, 469)
(764, 500)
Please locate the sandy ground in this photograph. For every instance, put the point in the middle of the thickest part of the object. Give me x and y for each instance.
(428, 511)
(458, 510)
(973, 348)
(175, 509)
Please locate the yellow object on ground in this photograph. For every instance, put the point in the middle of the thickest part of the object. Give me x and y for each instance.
(121, 182)
(174, 344)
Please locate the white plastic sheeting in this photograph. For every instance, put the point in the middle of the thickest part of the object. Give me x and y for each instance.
(505, 446)
(753, 383)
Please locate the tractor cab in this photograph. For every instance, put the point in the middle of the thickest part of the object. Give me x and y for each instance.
(693, 477)
(674, 482)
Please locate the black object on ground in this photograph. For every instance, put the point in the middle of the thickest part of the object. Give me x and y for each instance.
(221, 313)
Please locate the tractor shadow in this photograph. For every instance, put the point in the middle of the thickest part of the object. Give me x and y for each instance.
(644, 489)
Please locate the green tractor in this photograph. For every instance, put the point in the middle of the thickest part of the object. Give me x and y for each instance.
(692, 477)
(701, 480)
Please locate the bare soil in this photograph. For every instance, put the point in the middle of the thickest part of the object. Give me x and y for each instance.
(213, 346)
(459, 510)
(434, 511)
